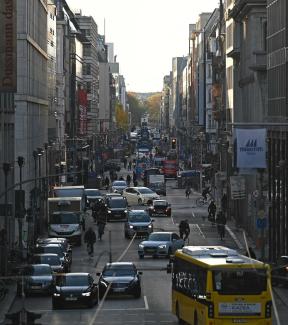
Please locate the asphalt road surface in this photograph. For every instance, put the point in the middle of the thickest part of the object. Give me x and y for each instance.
(154, 306)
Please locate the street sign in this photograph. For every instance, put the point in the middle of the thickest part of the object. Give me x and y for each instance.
(261, 223)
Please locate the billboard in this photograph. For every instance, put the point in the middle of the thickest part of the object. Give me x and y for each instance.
(251, 148)
(8, 53)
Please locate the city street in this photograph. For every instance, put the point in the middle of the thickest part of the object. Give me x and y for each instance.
(154, 306)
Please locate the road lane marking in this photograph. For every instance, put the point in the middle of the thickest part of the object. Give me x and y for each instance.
(172, 219)
(193, 214)
(199, 229)
(146, 303)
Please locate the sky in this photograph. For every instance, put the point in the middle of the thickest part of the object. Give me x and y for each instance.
(146, 34)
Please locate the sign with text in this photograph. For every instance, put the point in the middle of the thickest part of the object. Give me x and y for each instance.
(251, 148)
(237, 185)
(8, 53)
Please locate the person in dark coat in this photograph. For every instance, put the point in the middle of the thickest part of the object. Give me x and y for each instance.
(107, 182)
(221, 222)
(128, 180)
(184, 229)
(211, 211)
(90, 239)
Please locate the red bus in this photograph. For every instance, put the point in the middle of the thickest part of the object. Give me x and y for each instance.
(170, 168)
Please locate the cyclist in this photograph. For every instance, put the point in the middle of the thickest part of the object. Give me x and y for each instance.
(221, 222)
(128, 180)
(107, 182)
(90, 239)
(211, 212)
(188, 191)
(184, 229)
(205, 192)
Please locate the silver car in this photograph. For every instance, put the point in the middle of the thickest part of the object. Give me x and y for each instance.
(118, 186)
(160, 244)
(139, 222)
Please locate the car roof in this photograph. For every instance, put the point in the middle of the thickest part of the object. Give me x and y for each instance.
(163, 232)
(120, 264)
(76, 274)
(46, 254)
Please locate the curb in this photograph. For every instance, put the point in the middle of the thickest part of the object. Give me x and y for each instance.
(234, 237)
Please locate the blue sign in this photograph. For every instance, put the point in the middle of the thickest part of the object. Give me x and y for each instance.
(261, 223)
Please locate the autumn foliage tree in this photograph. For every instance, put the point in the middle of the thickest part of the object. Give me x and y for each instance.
(136, 109)
(153, 107)
(122, 119)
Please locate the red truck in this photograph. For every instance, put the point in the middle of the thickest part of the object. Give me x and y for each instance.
(170, 168)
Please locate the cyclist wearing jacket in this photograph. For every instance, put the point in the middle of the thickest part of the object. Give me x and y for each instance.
(90, 239)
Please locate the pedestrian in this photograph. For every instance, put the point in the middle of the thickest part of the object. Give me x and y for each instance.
(125, 162)
(212, 212)
(134, 177)
(188, 191)
(101, 225)
(184, 229)
(135, 183)
(90, 239)
(130, 165)
(221, 222)
(107, 182)
(250, 253)
(205, 192)
(128, 180)
(224, 203)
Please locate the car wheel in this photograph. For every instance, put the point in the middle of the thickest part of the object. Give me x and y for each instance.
(137, 293)
(140, 201)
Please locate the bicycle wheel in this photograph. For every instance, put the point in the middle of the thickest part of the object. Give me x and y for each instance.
(200, 202)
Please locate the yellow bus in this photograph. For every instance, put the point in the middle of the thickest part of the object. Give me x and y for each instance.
(213, 285)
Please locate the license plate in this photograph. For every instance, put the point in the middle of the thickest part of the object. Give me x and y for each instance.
(119, 289)
(150, 250)
(71, 298)
(64, 226)
(240, 321)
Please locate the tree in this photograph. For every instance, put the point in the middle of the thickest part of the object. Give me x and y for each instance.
(122, 119)
(136, 109)
(153, 106)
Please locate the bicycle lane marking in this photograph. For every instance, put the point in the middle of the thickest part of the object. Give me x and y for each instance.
(200, 231)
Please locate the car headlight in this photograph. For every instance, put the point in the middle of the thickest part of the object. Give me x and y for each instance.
(109, 211)
(86, 294)
(131, 227)
(56, 294)
(125, 211)
(149, 226)
(162, 246)
(141, 246)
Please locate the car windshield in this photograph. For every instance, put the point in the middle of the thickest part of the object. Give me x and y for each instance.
(141, 216)
(71, 192)
(160, 203)
(51, 260)
(49, 249)
(119, 270)
(93, 193)
(114, 203)
(64, 218)
(119, 183)
(240, 281)
(37, 270)
(145, 190)
(159, 237)
(72, 281)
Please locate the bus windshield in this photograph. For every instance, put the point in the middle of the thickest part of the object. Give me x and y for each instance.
(240, 281)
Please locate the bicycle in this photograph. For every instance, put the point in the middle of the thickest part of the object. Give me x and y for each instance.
(90, 249)
(200, 202)
(3, 290)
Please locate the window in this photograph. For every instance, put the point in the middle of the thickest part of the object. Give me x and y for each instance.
(229, 36)
(87, 50)
(229, 77)
(88, 87)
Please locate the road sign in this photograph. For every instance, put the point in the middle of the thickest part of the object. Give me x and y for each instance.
(261, 223)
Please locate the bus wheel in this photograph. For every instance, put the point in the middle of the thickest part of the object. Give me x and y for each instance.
(180, 321)
(195, 319)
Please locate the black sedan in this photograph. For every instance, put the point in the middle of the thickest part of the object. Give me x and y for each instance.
(160, 208)
(74, 288)
(51, 259)
(93, 195)
(63, 242)
(120, 278)
(116, 208)
(35, 278)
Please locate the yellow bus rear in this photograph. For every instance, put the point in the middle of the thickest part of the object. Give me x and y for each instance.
(214, 285)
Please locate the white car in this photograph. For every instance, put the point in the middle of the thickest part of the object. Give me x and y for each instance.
(139, 195)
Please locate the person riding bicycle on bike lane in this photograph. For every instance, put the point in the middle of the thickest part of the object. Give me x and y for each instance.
(221, 222)
(188, 191)
(205, 192)
(184, 229)
(211, 212)
(101, 219)
(90, 239)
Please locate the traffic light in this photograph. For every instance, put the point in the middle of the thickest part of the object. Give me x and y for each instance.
(173, 143)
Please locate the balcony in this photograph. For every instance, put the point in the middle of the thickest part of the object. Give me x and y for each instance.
(259, 61)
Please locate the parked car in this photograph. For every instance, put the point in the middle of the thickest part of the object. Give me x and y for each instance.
(123, 277)
(74, 288)
(139, 222)
(92, 195)
(52, 259)
(118, 186)
(35, 278)
(160, 208)
(139, 195)
(116, 208)
(160, 244)
(54, 249)
(279, 273)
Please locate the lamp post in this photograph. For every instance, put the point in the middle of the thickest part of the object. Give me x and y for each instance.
(20, 161)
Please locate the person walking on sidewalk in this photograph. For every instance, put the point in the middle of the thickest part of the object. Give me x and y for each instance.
(129, 165)
(90, 239)
(211, 212)
(221, 222)
(101, 222)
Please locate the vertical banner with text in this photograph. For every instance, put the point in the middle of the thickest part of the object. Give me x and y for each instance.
(8, 51)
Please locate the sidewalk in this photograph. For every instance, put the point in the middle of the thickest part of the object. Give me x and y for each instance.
(7, 302)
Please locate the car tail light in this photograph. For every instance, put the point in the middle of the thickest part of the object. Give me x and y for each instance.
(268, 309)
(211, 310)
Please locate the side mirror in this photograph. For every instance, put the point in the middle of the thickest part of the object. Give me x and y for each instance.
(98, 273)
(153, 220)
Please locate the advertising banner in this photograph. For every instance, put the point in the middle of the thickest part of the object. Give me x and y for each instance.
(251, 148)
(8, 52)
(82, 104)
